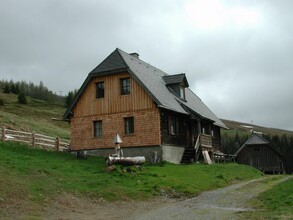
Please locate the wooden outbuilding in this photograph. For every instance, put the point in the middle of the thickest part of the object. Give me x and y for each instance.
(156, 114)
(257, 152)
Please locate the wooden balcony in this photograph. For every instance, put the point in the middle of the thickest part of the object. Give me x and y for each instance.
(209, 141)
(206, 140)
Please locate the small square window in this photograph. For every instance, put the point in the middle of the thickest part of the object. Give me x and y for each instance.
(125, 86)
(100, 90)
(129, 125)
(98, 129)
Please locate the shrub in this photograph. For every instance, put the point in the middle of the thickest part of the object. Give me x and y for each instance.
(1, 102)
(21, 98)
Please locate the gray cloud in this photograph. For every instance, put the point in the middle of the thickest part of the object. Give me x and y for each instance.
(240, 68)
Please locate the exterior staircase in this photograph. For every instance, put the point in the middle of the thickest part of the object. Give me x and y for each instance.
(188, 155)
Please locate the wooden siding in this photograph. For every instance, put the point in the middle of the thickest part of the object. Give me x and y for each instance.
(261, 157)
(170, 139)
(111, 110)
(113, 101)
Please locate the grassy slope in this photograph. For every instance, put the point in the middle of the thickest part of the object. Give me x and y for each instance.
(236, 126)
(36, 116)
(275, 203)
(39, 175)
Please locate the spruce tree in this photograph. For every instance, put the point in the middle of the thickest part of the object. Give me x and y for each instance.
(21, 98)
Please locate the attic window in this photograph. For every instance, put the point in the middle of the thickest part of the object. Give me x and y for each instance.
(182, 92)
(100, 90)
(125, 86)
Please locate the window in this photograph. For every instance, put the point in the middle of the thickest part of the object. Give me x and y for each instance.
(182, 93)
(129, 125)
(125, 86)
(98, 129)
(100, 90)
(173, 125)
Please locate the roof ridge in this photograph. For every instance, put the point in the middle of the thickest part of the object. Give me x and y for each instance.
(141, 61)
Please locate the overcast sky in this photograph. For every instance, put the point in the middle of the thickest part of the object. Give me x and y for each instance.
(237, 55)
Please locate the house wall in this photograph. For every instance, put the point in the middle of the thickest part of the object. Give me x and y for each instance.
(262, 157)
(178, 140)
(112, 109)
(113, 102)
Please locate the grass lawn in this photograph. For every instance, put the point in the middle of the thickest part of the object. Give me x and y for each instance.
(276, 203)
(38, 175)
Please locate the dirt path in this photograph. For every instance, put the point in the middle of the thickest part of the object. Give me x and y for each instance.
(222, 203)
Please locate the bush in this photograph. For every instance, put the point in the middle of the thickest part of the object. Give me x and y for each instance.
(21, 98)
(1, 102)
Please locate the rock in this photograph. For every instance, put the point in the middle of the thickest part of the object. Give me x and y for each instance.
(109, 169)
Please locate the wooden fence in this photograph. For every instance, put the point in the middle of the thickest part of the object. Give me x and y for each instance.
(35, 140)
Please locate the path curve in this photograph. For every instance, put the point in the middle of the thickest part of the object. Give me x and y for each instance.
(222, 203)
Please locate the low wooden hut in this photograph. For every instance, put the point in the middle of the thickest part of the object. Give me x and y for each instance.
(257, 152)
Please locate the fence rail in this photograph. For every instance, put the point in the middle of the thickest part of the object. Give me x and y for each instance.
(35, 140)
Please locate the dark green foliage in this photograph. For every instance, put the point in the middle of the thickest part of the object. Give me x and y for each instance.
(1, 102)
(69, 98)
(6, 89)
(21, 98)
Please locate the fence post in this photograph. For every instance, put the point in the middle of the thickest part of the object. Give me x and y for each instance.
(33, 139)
(3, 134)
(57, 144)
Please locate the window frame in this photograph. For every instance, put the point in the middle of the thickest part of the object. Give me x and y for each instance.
(128, 125)
(125, 88)
(100, 92)
(182, 93)
(98, 129)
(173, 125)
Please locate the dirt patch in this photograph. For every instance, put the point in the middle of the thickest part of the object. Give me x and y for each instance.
(69, 206)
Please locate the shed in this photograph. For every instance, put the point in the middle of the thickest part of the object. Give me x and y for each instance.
(257, 152)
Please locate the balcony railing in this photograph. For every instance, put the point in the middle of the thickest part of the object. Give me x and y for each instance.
(206, 140)
(209, 141)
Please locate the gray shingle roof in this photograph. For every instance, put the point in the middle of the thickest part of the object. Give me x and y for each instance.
(153, 80)
(255, 139)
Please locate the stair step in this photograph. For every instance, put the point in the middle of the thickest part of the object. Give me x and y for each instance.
(188, 156)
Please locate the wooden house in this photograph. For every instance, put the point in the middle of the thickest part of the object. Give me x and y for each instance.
(156, 114)
(257, 152)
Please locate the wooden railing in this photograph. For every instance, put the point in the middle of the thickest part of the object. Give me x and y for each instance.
(206, 140)
(35, 140)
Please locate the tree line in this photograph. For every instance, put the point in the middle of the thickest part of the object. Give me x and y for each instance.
(283, 144)
(23, 88)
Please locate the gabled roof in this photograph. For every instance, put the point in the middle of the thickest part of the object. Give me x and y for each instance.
(153, 80)
(255, 139)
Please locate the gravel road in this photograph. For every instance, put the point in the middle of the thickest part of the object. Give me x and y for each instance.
(222, 203)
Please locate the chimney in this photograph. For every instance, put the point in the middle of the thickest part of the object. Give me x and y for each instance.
(136, 55)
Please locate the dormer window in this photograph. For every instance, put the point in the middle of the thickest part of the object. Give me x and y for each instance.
(176, 84)
(182, 92)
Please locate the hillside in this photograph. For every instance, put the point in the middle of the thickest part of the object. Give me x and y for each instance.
(35, 116)
(238, 126)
